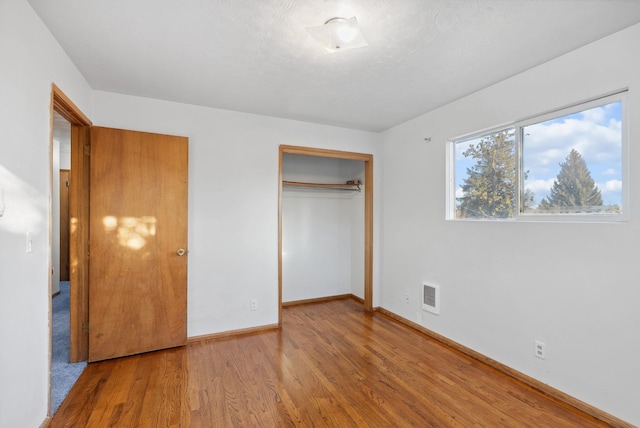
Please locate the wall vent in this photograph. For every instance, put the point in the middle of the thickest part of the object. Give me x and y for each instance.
(431, 298)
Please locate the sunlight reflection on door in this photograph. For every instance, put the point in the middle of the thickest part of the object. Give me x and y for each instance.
(132, 232)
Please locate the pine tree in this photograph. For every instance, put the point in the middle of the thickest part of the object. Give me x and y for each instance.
(489, 191)
(573, 189)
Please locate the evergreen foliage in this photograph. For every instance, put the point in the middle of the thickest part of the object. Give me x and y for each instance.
(489, 190)
(573, 189)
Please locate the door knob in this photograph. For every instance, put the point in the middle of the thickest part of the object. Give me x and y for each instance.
(181, 252)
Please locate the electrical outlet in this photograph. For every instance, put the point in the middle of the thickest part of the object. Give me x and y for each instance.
(407, 299)
(540, 350)
(254, 304)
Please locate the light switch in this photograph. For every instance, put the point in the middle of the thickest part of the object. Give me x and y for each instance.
(29, 242)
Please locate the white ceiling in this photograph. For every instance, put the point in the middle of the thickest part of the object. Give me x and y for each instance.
(256, 56)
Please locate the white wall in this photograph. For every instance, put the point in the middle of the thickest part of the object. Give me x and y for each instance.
(322, 230)
(506, 284)
(316, 245)
(356, 210)
(30, 60)
(233, 199)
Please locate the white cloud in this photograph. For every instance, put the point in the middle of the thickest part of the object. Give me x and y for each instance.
(611, 191)
(539, 186)
(595, 115)
(550, 143)
(612, 186)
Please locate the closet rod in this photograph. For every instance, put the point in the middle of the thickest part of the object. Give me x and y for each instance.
(353, 185)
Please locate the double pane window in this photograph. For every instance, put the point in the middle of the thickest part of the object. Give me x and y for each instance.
(565, 165)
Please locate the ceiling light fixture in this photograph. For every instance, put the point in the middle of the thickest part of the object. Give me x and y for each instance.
(339, 34)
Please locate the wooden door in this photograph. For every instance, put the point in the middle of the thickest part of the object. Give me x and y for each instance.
(64, 225)
(138, 243)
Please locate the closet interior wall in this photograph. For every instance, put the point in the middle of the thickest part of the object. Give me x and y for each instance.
(322, 229)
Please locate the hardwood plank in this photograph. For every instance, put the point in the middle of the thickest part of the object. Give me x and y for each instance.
(332, 364)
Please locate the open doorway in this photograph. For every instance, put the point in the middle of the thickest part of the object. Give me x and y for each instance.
(63, 373)
(60, 200)
(322, 228)
(357, 166)
(69, 136)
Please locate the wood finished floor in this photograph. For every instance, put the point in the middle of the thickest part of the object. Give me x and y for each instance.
(330, 365)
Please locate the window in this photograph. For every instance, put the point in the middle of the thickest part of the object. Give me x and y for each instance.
(565, 165)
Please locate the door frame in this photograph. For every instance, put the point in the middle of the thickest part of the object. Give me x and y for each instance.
(368, 214)
(79, 227)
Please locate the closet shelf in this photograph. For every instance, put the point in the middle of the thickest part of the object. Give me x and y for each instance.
(351, 185)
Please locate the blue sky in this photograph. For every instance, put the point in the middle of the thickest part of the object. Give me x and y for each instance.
(594, 133)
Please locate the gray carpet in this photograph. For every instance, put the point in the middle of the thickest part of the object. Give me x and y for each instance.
(63, 374)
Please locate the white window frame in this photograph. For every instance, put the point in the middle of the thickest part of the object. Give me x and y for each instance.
(623, 216)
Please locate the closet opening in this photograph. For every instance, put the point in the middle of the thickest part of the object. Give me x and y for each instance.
(325, 226)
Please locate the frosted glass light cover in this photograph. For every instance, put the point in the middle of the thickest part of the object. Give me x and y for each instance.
(339, 34)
